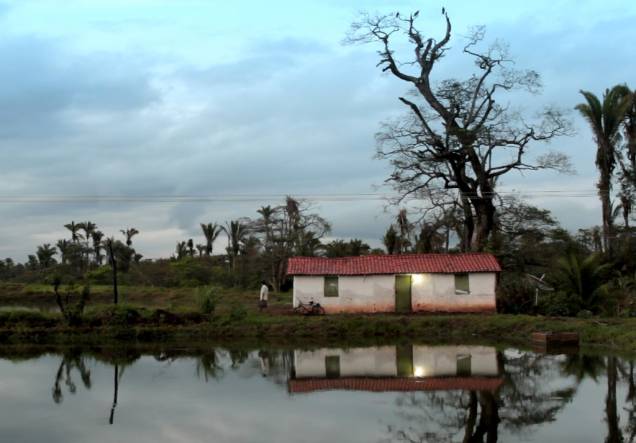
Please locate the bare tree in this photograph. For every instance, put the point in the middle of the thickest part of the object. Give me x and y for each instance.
(457, 136)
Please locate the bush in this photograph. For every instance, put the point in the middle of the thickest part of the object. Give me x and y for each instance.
(559, 304)
(191, 272)
(238, 313)
(584, 313)
(100, 276)
(515, 295)
(206, 299)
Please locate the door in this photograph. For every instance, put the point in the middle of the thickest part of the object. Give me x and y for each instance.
(402, 293)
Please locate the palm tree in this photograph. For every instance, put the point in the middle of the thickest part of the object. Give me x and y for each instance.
(584, 278)
(190, 247)
(267, 218)
(605, 119)
(390, 241)
(211, 232)
(181, 250)
(88, 228)
(236, 232)
(45, 255)
(64, 247)
(129, 234)
(309, 245)
(97, 236)
(74, 228)
(201, 249)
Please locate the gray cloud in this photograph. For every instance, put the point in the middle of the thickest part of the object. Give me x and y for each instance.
(287, 116)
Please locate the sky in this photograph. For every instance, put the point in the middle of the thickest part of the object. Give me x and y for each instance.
(160, 98)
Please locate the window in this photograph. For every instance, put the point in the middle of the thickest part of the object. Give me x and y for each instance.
(461, 284)
(332, 366)
(464, 365)
(331, 286)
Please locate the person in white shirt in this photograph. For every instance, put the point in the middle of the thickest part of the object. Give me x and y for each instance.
(262, 302)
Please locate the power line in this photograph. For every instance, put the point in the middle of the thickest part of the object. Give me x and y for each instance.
(250, 198)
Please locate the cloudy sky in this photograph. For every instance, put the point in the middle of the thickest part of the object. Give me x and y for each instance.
(158, 98)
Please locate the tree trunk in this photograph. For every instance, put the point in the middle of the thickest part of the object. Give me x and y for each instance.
(469, 225)
(485, 217)
(113, 265)
(606, 203)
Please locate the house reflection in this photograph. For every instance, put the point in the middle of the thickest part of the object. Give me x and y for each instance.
(397, 368)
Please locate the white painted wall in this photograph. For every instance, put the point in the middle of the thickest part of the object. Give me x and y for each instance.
(428, 361)
(372, 293)
(436, 293)
(376, 293)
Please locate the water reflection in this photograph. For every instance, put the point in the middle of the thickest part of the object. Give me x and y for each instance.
(401, 393)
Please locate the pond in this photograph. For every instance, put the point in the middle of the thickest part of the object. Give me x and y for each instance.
(401, 393)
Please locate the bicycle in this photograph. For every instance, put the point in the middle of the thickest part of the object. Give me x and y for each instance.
(310, 308)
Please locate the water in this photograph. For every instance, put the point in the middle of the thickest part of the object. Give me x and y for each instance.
(400, 393)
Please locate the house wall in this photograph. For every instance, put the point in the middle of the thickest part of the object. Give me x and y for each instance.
(436, 293)
(372, 293)
(428, 361)
(376, 293)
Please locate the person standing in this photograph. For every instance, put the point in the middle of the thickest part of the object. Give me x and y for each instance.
(262, 302)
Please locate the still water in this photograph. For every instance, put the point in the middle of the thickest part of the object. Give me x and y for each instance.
(404, 393)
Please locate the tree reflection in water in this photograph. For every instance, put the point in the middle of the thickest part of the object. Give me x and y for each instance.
(71, 360)
(524, 400)
(535, 390)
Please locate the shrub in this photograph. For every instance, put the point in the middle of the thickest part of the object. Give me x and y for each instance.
(238, 313)
(206, 299)
(515, 295)
(559, 304)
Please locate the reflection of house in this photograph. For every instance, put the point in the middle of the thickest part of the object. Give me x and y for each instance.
(404, 283)
(396, 368)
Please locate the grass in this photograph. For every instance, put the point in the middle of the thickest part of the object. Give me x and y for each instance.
(159, 314)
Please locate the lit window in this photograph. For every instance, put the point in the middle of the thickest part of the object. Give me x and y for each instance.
(331, 286)
(461, 284)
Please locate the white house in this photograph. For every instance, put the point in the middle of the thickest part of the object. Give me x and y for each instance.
(397, 283)
(396, 368)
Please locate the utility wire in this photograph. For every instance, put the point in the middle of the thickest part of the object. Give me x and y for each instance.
(238, 198)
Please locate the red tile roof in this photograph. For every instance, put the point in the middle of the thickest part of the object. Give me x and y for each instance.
(298, 386)
(394, 264)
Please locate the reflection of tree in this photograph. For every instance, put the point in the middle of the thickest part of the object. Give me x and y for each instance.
(614, 434)
(120, 359)
(209, 366)
(526, 395)
(72, 359)
(583, 366)
(111, 418)
(525, 399)
(630, 400)
(472, 415)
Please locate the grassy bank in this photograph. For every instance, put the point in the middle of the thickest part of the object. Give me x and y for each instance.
(153, 325)
(165, 314)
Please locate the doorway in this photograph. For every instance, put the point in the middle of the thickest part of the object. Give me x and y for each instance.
(403, 293)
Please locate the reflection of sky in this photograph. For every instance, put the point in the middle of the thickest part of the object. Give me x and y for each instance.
(166, 402)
